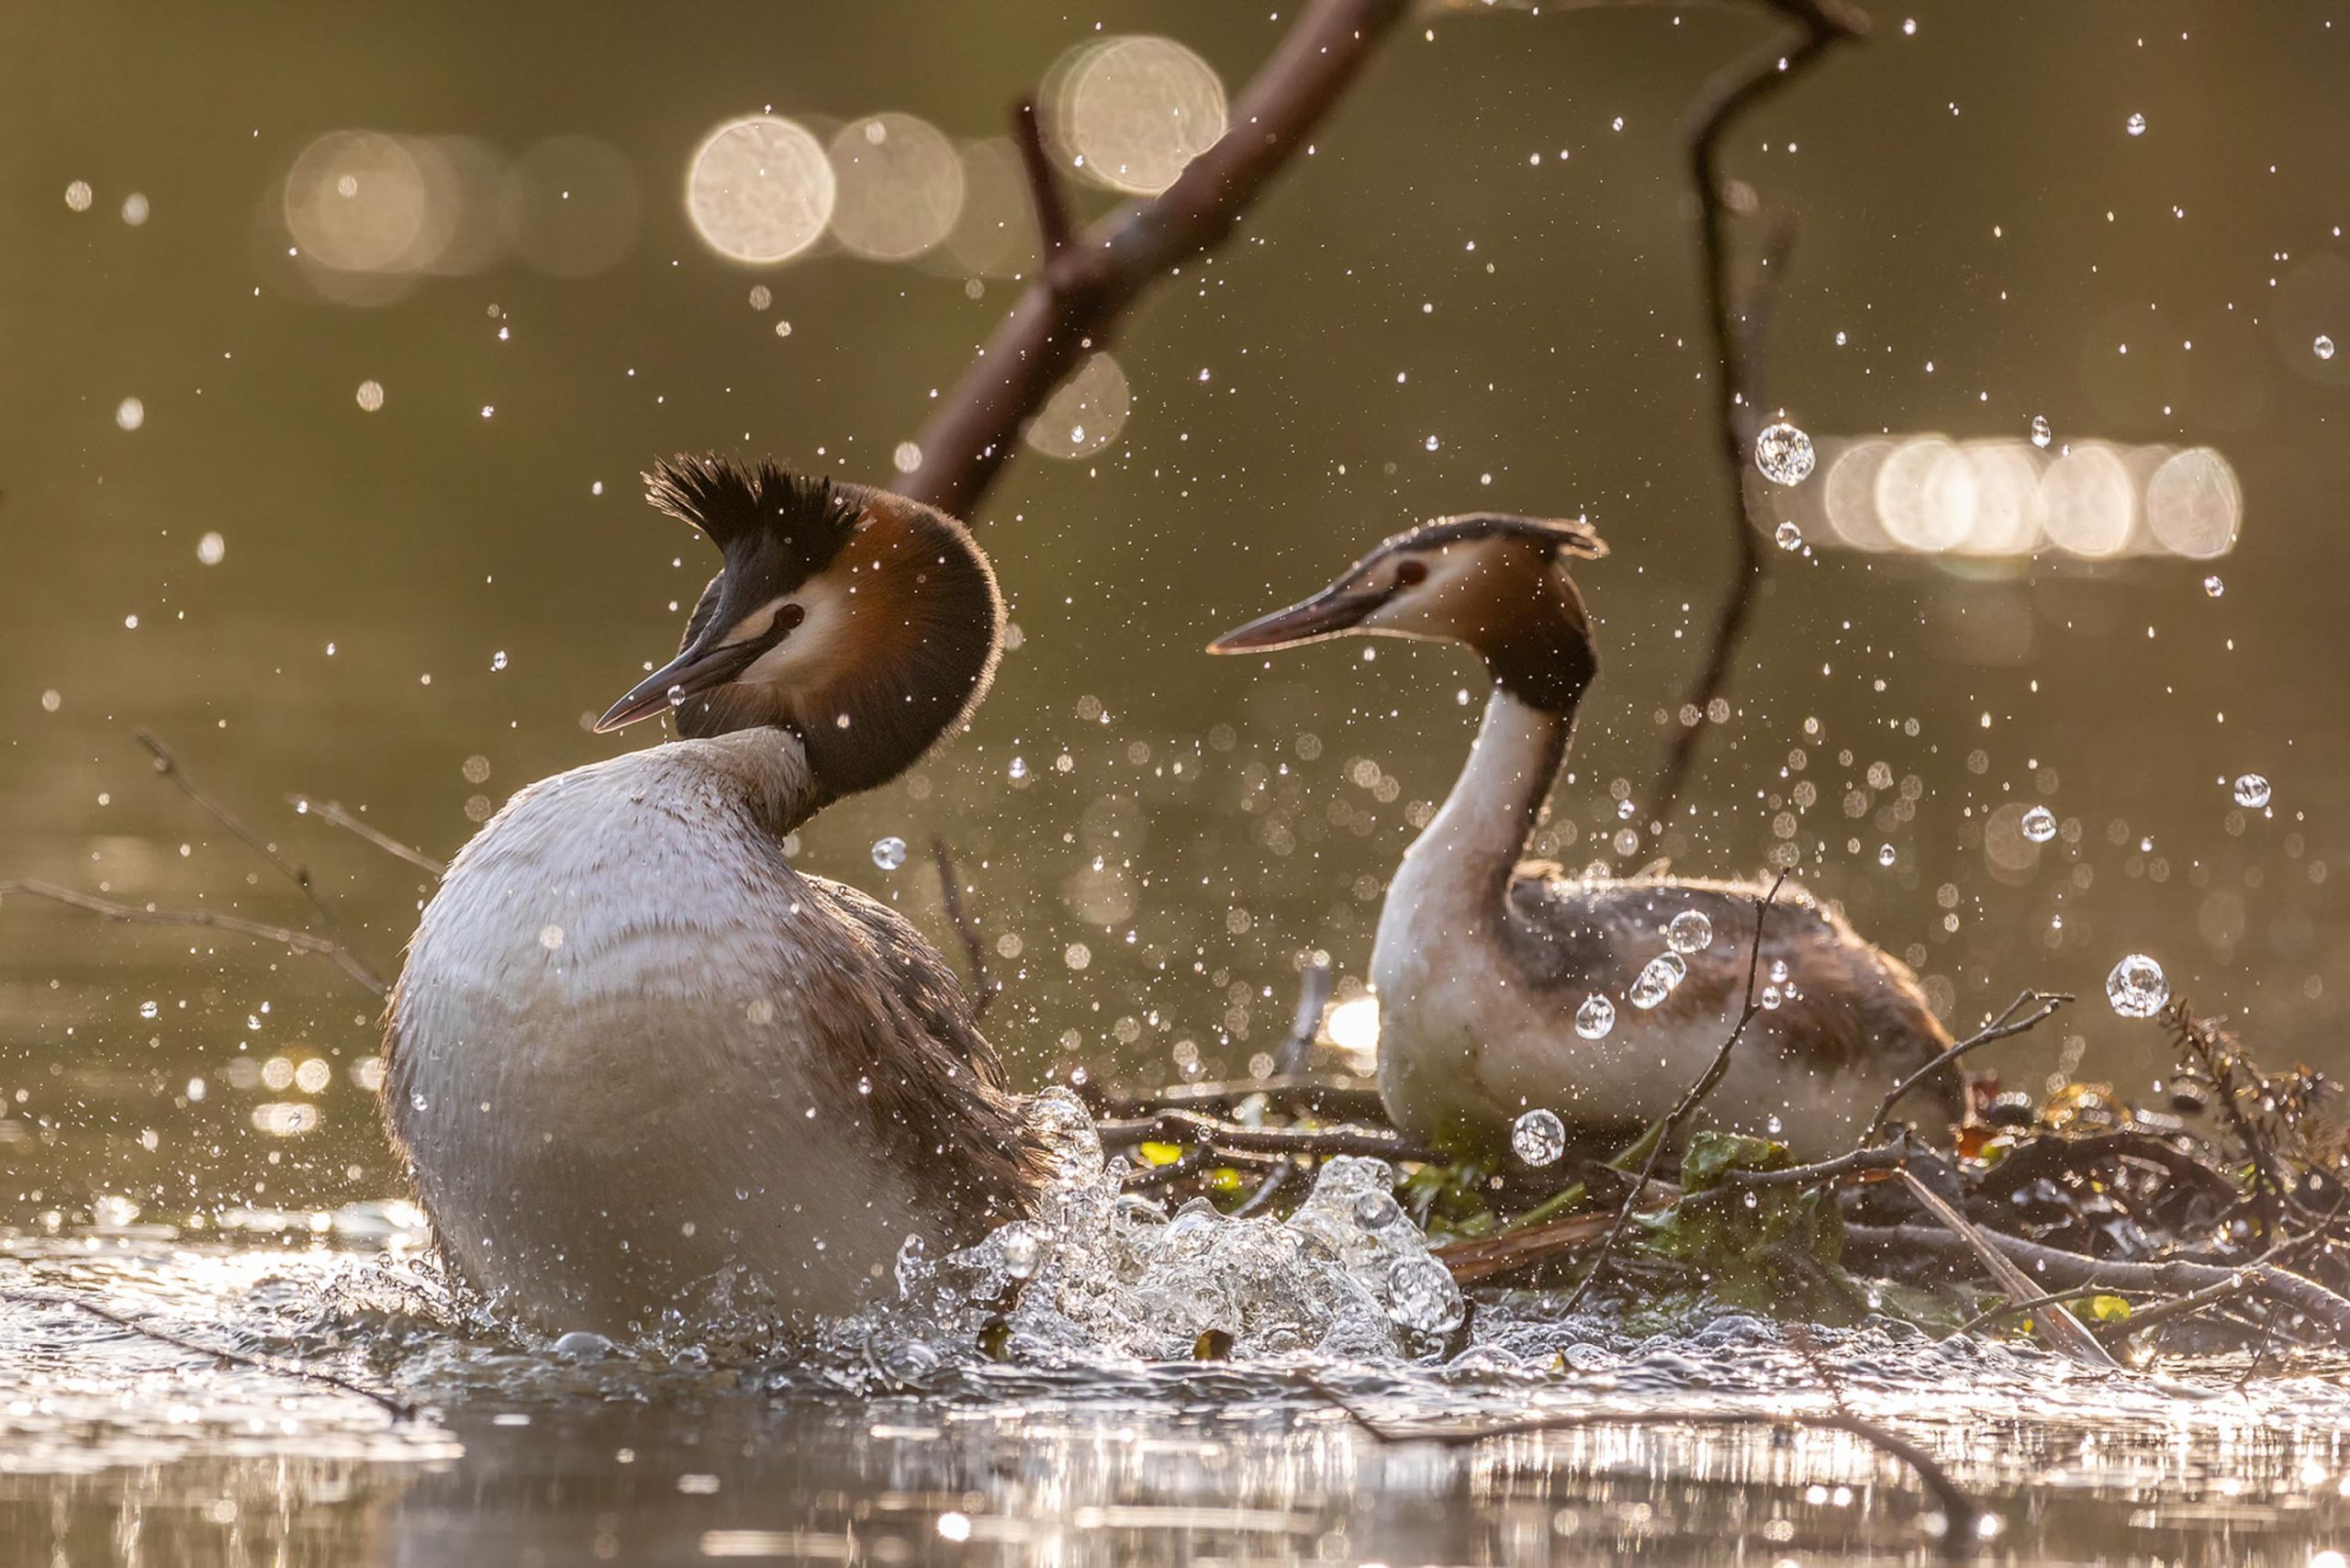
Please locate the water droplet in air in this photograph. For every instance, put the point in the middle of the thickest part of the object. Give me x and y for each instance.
(2039, 824)
(2323, 347)
(1771, 998)
(148, 1010)
(2214, 587)
(1019, 768)
(890, 853)
(551, 937)
(2042, 432)
(371, 395)
(211, 549)
(129, 414)
(677, 697)
(498, 659)
(1539, 1138)
(1624, 809)
(1784, 453)
(1021, 1251)
(2137, 987)
(1421, 1295)
(1789, 537)
(1689, 932)
(2252, 791)
(1595, 1017)
(77, 195)
(2135, 125)
(1885, 855)
(1779, 971)
(1657, 979)
(1377, 1210)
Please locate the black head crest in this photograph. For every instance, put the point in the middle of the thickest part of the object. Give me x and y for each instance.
(1564, 535)
(736, 503)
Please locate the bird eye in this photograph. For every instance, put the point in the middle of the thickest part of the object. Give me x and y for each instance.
(788, 617)
(1408, 573)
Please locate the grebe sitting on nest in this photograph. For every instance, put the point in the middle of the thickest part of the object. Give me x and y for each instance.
(643, 1069)
(1482, 964)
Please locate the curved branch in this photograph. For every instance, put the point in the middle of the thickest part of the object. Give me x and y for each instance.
(1083, 291)
(300, 941)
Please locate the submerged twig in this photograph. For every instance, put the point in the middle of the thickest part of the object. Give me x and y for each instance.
(301, 941)
(1662, 1135)
(1960, 1513)
(2057, 1325)
(331, 813)
(400, 1409)
(1739, 353)
(2007, 1024)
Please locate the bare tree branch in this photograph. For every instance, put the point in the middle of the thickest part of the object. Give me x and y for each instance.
(2007, 1024)
(331, 813)
(984, 985)
(167, 765)
(1739, 351)
(1082, 292)
(300, 941)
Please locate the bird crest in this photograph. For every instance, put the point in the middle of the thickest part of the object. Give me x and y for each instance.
(737, 504)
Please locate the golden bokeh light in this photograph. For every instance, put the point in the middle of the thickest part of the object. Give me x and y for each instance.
(1087, 412)
(2088, 501)
(899, 184)
(1131, 113)
(2194, 505)
(355, 201)
(760, 189)
(571, 205)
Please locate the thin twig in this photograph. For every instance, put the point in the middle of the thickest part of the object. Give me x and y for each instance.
(1073, 308)
(2056, 1322)
(1662, 1133)
(331, 813)
(168, 766)
(1960, 1511)
(975, 948)
(1314, 983)
(1189, 1127)
(2044, 1005)
(301, 941)
(400, 1409)
(1738, 355)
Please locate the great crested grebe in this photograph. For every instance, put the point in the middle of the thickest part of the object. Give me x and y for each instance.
(641, 1067)
(1483, 964)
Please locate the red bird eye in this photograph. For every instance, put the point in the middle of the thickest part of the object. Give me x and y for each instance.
(790, 616)
(1408, 573)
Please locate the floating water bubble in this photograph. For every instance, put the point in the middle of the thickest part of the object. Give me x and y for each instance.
(1019, 768)
(2039, 824)
(2135, 125)
(1689, 932)
(77, 195)
(211, 549)
(1539, 1138)
(1421, 1295)
(148, 1010)
(2042, 432)
(1595, 1017)
(1789, 537)
(890, 853)
(1655, 982)
(1377, 1210)
(1784, 453)
(2323, 347)
(1771, 998)
(2252, 791)
(2214, 587)
(371, 395)
(1885, 854)
(1779, 971)
(2137, 987)
(1021, 1251)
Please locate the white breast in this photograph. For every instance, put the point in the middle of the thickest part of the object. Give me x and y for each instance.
(602, 1062)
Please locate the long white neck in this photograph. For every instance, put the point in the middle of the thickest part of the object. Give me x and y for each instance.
(1481, 832)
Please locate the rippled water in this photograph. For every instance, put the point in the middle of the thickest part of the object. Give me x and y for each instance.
(898, 1437)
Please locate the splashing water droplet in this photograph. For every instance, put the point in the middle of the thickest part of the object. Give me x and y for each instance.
(2135, 125)
(2252, 791)
(1689, 932)
(1539, 1138)
(1624, 809)
(1885, 854)
(2039, 824)
(2323, 347)
(1657, 979)
(677, 697)
(1421, 1295)
(1021, 1251)
(1779, 971)
(1784, 454)
(1595, 1017)
(1771, 998)
(1377, 1210)
(148, 1010)
(890, 853)
(2137, 987)
(211, 549)
(498, 659)
(1789, 537)
(2042, 432)
(2214, 587)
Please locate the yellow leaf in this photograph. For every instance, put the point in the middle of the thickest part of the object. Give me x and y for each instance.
(1162, 1153)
